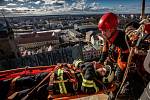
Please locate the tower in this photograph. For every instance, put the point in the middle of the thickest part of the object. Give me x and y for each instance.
(8, 48)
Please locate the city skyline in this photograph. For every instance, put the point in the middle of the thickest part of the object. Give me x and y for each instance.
(74, 6)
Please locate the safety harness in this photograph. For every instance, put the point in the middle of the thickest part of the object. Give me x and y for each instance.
(62, 87)
(58, 78)
(89, 83)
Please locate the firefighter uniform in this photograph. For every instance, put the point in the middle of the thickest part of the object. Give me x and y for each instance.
(115, 49)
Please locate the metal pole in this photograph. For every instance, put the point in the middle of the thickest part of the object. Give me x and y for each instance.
(143, 9)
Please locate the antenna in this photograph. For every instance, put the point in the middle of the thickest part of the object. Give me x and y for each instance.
(7, 23)
(5, 19)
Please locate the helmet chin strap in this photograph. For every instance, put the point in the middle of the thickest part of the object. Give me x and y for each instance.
(112, 36)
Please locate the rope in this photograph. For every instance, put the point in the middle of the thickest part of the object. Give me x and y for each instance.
(126, 71)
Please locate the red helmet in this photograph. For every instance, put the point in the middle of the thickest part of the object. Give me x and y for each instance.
(108, 21)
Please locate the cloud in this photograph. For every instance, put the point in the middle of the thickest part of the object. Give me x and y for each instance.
(147, 7)
(37, 2)
(121, 6)
(20, 0)
(60, 6)
(54, 1)
(8, 0)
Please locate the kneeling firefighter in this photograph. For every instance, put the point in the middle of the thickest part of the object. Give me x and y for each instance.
(115, 49)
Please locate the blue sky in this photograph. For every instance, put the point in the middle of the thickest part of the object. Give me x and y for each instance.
(124, 5)
(99, 6)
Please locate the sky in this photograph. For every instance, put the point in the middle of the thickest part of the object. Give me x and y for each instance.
(97, 6)
(132, 6)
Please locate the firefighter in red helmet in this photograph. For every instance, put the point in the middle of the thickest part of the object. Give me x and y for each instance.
(108, 25)
(115, 49)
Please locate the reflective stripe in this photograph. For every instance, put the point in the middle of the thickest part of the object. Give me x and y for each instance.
(51, 79)
(87, 81)
(96, 88)
(90, 83)
(81, 76)
(122, 64)
(61, 84)
(87, 85)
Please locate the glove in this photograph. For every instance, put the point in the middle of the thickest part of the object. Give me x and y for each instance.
(118, 74)
(109, 76)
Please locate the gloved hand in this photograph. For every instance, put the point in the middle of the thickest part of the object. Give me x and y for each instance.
(118, 74)
(109, 76)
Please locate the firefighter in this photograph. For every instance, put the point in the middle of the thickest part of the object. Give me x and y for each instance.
(63, 80)
(116, 46)
(94, 75)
